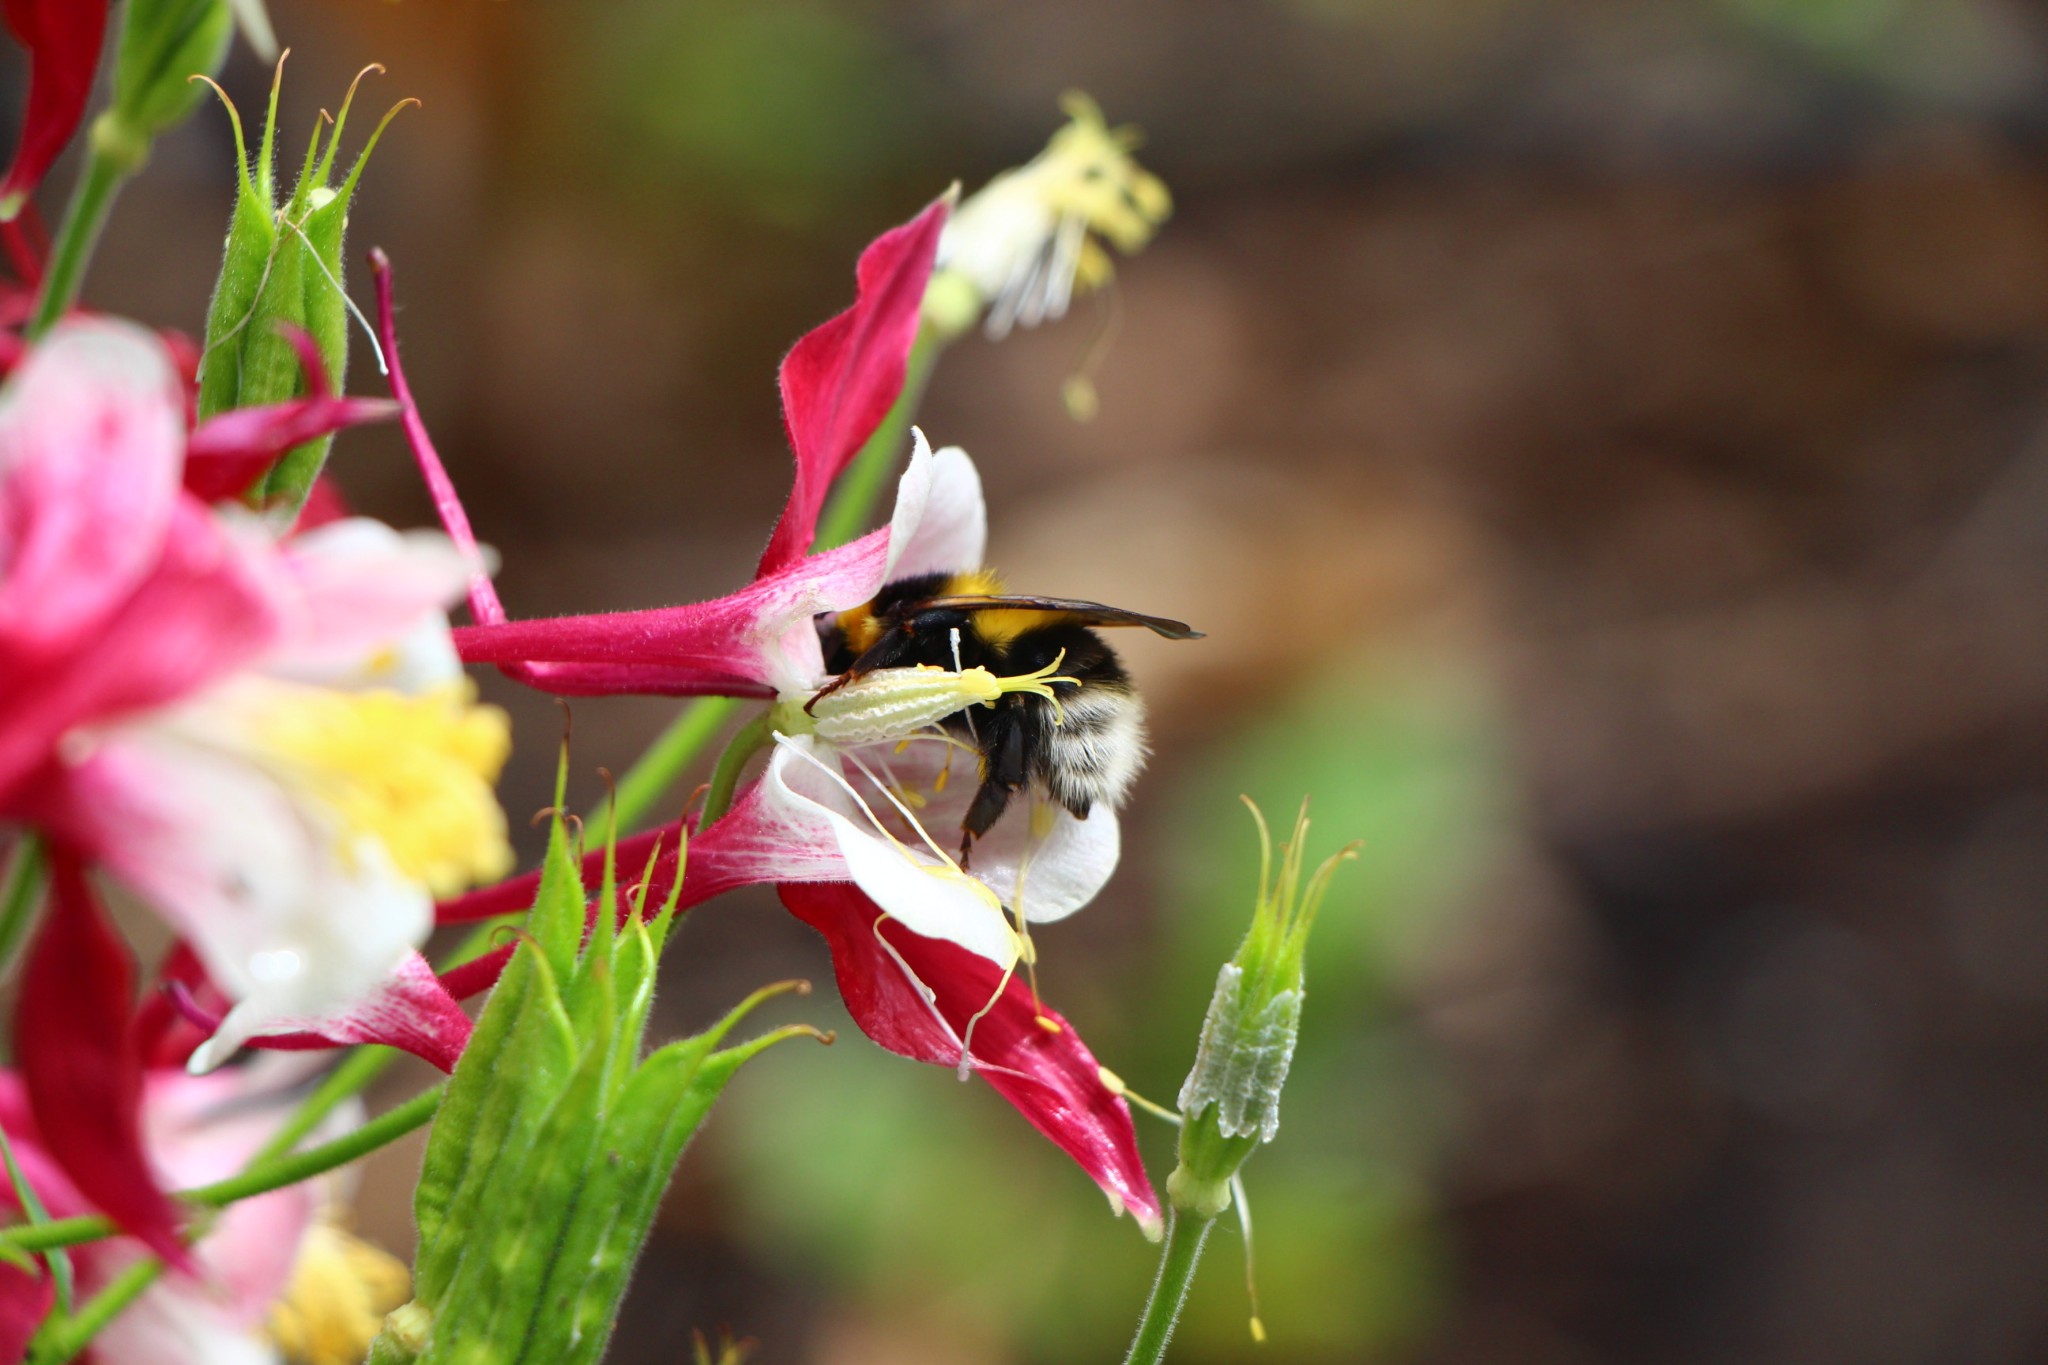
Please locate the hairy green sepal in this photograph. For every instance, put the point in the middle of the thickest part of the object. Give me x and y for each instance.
(556, 1139)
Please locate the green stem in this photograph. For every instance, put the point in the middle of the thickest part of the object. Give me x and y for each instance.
(1185, 1235)
(60, 1341)
(752, 737)
(363, 1065)
(19, 900)
(261, 1178)
(853, 501)
(651, 776)
(32, 1206)
(107, 167)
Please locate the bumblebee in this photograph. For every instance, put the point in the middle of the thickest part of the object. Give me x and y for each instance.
(1083, 745)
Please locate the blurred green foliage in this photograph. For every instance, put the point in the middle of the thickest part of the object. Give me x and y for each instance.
(894, 1185)
(780, 108)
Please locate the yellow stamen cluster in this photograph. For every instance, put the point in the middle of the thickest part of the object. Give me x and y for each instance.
(1025, 242)
(414, 772)
(1087, 171)
(340, 1290)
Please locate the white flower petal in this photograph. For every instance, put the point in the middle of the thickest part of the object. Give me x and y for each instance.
(941, 521)
(909, 881)
(286, 923)
(174, 1323)
(364, 588)
(343, 940)
(1049, 877)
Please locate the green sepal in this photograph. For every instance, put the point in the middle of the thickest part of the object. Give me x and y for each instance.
(544, 1173)
(662, 1106)
(525, 1031)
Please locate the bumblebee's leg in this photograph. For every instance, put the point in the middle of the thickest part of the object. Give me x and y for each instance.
(1004, 768)
(894, 649)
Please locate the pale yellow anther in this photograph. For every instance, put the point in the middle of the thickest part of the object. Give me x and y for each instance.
(1039, 682)
(1032, 237)
(341, 1288)
(1087, 170)
(415, 773)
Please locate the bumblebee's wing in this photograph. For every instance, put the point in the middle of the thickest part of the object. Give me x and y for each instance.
(1086, 613)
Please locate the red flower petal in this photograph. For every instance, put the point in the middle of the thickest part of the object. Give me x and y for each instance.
(78, 1063)
(840, 380)
(227, 454)
(1047, 1073)
(25, 1300)
(63, 39)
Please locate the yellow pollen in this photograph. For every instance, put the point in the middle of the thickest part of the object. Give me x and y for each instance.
(414, 772)
(1049, 1025)
(1087, 170)
(340, 1290)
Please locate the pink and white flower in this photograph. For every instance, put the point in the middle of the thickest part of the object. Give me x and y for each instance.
(268, 741)
(259, 1256)
(842, 817)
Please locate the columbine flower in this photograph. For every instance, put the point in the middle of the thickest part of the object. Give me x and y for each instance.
(1022, 245)
(269, 741)
(843, 818)
(63, 38)
(274, 1274)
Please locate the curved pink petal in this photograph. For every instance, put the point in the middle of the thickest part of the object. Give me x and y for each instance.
(884, 974)
(841, 379)
(92, 431)
(749, 643)
(412, 1011)
(83, 1077)
(63, 38)
(483, 598)
(229, 452)
(360, 590)
(210, 604)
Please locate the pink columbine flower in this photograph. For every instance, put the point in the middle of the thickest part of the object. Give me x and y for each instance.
(262, 1261)
(843, 819)
(270, 742)
(63, 38)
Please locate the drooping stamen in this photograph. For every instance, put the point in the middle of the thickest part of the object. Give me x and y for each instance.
(1244, 1223)
(967, 1041)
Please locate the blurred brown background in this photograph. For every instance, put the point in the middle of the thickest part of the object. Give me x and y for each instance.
(1607, 445)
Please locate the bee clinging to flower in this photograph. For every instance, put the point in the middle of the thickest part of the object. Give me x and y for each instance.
(1079, 740)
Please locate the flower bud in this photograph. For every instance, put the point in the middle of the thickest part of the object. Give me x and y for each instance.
(164, 43)
(282, 269)
(1230, 1102)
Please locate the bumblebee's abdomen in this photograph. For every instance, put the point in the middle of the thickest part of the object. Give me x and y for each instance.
(1092, 746)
